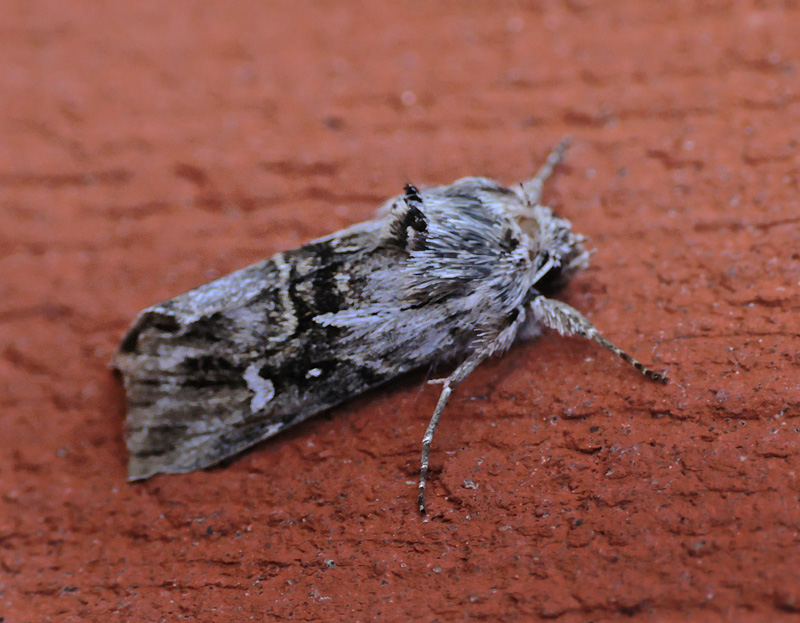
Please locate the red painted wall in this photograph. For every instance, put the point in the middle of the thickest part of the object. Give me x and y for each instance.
(149, 147)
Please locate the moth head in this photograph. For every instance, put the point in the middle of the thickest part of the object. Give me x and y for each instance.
(558, 251)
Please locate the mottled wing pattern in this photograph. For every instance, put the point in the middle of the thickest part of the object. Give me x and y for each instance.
(213, 371)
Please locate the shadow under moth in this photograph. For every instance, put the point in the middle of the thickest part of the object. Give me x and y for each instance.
(451, 273)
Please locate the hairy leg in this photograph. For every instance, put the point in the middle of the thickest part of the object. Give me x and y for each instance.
(483, 350)
(569, 321)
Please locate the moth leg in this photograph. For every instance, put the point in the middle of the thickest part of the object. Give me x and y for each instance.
(532, 189)
(448, 384)
(485, 349)
(569, 321)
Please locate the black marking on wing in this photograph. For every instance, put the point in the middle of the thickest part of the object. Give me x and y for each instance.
(508, 243)
(165, 323)
(316, 292)
(408, 230)
(210, 371)
(412, 195)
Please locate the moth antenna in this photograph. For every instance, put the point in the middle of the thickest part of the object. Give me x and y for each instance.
(532, 189)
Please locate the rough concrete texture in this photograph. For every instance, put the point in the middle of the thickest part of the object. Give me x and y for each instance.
(149, 146)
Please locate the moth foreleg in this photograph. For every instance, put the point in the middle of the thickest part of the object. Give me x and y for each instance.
(569, 321)
(448, 384)
(484, 348)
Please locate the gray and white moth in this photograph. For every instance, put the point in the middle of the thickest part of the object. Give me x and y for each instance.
(452, 273)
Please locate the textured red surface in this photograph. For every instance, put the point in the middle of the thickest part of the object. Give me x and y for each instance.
(148, 147)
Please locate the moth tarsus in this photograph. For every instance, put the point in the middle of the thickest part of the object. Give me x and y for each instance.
(451, 273)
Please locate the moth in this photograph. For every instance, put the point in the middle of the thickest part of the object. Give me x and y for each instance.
(451, 273)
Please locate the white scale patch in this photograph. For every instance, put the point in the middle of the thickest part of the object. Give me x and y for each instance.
(263, 389)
